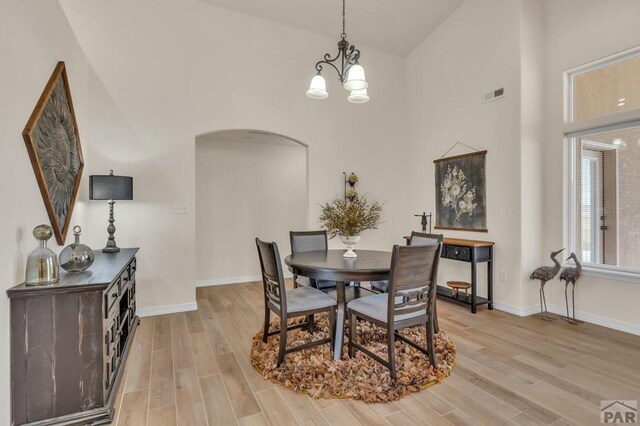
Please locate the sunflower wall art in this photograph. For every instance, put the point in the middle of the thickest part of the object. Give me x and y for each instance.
(461, 192)
(52, 140)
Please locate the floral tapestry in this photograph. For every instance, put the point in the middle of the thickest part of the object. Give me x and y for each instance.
(461, 192)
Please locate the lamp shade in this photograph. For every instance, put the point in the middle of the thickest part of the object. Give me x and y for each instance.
(318, 88)
(110, 187)
(355, 78)
(358, 96)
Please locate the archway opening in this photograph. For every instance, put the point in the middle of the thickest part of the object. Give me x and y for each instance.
(249, 183)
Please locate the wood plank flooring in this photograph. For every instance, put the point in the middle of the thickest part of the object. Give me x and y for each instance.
(193, 369)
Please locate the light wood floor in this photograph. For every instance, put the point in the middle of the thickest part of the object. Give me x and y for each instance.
(194, 369)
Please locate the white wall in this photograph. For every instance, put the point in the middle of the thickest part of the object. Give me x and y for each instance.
(579, 32)
(34, 36)
(475, 50)
(532, 60)
(246, 190)
(178, 69)
(524, 46)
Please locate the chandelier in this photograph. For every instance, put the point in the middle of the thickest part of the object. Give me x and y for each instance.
(350, 72)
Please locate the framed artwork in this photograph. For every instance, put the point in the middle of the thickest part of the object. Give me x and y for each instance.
(461, 200)
(53, 143)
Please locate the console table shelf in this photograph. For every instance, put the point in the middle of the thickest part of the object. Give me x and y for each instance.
(69, 343)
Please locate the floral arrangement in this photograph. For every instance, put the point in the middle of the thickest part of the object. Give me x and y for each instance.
(456, 194)
(352, 179)
(349, 218)
(352, 195)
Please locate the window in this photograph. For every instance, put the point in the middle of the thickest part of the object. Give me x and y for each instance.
(607, 90)
(604, 165)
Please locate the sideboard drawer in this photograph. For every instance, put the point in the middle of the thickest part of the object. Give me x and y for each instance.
(111, 297)
(457, 253)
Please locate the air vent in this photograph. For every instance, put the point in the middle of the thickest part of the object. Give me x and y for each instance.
(493, 95)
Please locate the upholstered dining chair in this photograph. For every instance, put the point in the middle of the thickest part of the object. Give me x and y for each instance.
(303, 241)
(423, 239)
(297, 302)
(416, 239)
(409, 302)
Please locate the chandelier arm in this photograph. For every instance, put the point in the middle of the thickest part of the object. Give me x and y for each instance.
(320, 63)
(353, 55)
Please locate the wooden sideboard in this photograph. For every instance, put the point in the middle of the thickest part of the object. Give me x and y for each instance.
(69, 342)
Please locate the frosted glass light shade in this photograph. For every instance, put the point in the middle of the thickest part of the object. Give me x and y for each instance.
(358, 96)
(318, 88)
(355, 78)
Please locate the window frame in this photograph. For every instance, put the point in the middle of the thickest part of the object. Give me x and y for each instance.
(572, 130)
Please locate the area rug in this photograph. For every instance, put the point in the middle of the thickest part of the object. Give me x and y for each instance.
(313, 371)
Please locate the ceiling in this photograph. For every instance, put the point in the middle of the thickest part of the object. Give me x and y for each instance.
(394, 26)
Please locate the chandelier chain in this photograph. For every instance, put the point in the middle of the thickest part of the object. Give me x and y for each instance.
(344, 21)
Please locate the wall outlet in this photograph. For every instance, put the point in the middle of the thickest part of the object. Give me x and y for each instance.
(503, 276)
(180, 209)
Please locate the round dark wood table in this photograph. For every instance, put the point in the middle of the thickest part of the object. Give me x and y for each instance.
(370, 265)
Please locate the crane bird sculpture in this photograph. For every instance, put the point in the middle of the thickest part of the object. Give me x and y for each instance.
(544, 274)
(571, 275)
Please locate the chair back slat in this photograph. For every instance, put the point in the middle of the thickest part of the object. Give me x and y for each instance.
(272, 276)
(413, 279)
(303, 241)
(423, 239)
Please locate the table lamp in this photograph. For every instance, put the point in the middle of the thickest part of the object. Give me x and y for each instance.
(110, 187)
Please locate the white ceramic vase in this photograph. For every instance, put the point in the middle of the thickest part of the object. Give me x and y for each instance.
(350, 242)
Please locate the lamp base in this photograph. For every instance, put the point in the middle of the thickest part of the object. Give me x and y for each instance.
(111, 249)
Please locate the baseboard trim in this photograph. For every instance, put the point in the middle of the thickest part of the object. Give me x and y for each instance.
(234, 280)
(562, 310)
(167, 309)
(596, 319)
(520, 311)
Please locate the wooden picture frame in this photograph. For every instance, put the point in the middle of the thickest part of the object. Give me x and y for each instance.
(53, 143)
(461, 195)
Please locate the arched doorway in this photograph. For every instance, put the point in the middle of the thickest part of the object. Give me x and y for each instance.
(249, 184)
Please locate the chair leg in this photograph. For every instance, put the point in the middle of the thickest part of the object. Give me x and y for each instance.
(312, 323)
(352, 333)
(391, 342)
(436, 327)
(267, 320)
(283, 340)
(332, 327)
(431, 352)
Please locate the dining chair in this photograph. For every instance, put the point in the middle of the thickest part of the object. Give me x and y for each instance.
(303, 241)
(409, 302)
(424, 239)
(296, 302)
(416, 239)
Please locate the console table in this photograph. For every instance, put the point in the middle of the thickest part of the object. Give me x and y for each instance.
(473, 252)
(69, 342)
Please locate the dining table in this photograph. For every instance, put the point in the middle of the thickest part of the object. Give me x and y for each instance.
(369, 265)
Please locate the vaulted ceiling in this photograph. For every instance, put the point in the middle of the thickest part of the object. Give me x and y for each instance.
(394, 26)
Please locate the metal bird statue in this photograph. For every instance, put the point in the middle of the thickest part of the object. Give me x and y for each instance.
(544, 274)
(571, 275)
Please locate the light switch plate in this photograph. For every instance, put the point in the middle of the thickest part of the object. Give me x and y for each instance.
(180, 208)
(503, 276)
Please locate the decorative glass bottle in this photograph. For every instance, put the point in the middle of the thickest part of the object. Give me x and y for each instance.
(76, 257)
(42, 264)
